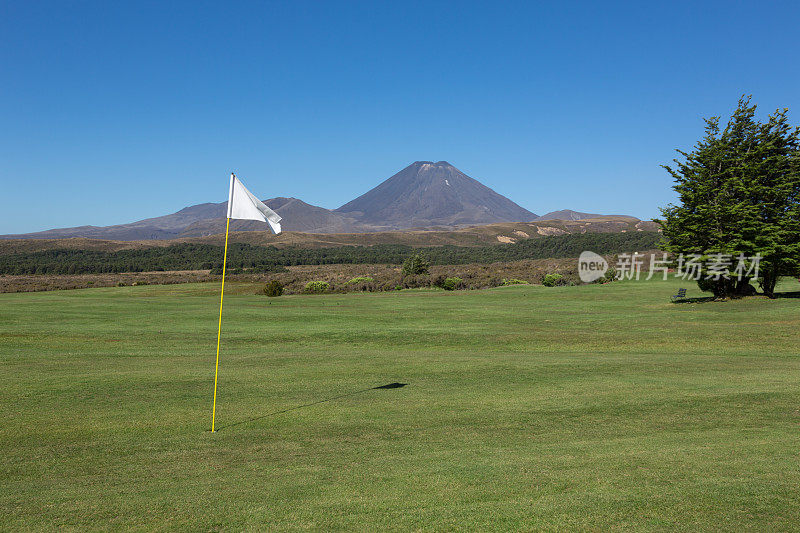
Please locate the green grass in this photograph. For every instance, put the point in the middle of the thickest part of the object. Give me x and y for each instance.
(592, 407)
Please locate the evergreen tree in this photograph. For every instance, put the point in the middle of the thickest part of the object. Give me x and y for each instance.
(739, 192)
(415, 265)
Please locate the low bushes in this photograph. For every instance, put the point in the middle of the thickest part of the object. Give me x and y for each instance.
(361, 279)
(380, 278)
(387, 277)
(416, 282)
(611, 272)
(273, 288)
(609, 276)
(451, 284)
(316, 287)
(552, 280)
(448, 283)
(360, 283)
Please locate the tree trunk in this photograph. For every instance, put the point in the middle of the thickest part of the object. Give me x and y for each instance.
(768, 281)
(743, 287)
(723, 288)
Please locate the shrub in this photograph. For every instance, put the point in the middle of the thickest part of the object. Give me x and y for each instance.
(609, 276)
(361, 279)
(415, 265)
(514, 281)
(415, 282)
(387, 285)
(451, 284)
(551, 280)
(273, 288)
(317, 287)
(361, 283)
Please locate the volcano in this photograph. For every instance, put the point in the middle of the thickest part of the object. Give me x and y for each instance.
(426, 194)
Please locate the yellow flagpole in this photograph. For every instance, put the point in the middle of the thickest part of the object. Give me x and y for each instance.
(219, 329)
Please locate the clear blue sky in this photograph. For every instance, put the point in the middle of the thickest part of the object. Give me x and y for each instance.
(116, 111)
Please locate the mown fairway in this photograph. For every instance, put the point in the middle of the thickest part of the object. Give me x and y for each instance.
(593, 407)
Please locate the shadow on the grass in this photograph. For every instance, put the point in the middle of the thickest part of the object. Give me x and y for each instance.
(702, 299)
(795, 294)
(274, 413)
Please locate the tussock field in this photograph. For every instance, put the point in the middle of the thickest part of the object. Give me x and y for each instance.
(469, 236)
(385, 277)
(589, 407)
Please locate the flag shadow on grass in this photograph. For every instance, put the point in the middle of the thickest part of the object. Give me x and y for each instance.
(394, 385)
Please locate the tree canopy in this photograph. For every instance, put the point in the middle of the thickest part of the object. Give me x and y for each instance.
(739, 196)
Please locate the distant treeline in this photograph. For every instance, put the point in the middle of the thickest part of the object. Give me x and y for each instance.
(271, 259)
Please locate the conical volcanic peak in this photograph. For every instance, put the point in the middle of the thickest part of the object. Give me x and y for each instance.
(433, 194)
(425, 194)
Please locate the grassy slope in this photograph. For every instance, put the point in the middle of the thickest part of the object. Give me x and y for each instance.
(595, 407)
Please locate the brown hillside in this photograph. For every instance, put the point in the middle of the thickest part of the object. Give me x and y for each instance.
(506, 232)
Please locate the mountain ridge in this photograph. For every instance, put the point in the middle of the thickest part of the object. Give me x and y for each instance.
(422, 196)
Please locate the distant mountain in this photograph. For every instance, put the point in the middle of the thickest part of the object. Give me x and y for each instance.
(164, 227)
(122, 232)
(567, 214)
(209, 219)
(297, 216)
(428, 194)
(424, 195)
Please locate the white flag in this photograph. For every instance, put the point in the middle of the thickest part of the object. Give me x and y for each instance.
(242, 204)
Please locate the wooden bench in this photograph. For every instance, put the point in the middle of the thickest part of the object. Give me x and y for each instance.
(681, 294)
